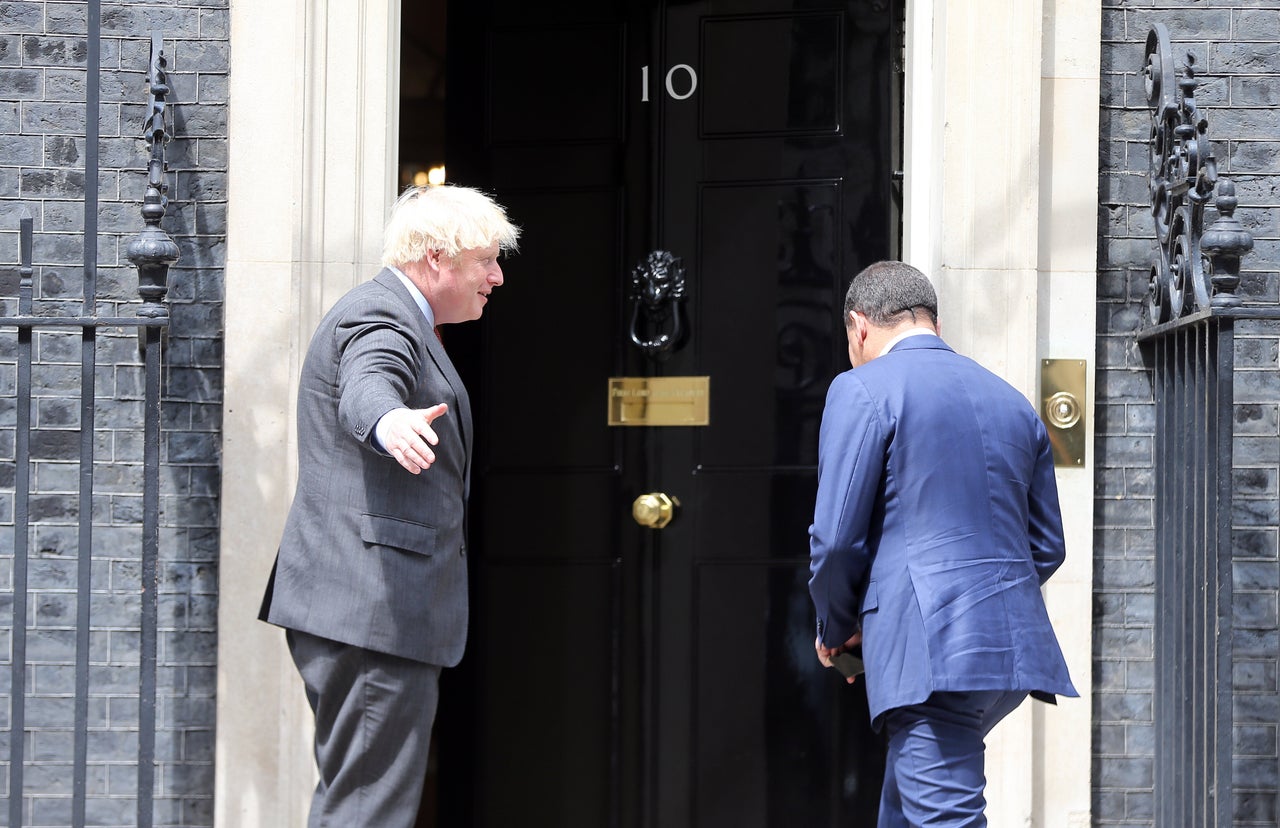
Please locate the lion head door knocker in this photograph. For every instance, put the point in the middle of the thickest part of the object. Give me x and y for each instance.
(657, 287)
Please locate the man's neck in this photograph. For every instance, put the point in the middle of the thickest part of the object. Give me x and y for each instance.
(881, 340)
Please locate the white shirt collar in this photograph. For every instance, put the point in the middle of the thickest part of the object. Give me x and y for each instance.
(416, 294)
(909, 332)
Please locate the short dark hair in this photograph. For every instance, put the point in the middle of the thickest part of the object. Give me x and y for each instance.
(885, 291)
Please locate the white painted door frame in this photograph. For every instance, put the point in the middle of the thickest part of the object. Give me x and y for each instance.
(1000, 208)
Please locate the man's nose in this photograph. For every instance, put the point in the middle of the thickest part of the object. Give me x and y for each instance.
(495, 277)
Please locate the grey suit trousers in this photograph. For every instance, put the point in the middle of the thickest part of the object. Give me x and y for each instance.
(373, 731)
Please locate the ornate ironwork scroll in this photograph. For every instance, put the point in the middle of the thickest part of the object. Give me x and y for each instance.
(657, 289)
(1195, 269)
(1190, 346)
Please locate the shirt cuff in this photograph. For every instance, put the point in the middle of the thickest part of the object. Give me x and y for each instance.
(379, 435)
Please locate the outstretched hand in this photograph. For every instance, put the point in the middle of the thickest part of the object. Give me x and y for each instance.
(409, 436)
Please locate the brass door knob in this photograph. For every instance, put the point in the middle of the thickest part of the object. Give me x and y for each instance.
(654, 510)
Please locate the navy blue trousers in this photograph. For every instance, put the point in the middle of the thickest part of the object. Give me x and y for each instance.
(935, 774)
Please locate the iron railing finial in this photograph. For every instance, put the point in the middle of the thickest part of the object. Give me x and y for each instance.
(152, 251)
(1225, 242)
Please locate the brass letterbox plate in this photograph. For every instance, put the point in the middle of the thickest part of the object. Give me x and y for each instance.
(659, 401)
(1062, 401)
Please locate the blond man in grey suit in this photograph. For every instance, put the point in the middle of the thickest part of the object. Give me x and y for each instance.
(370, 581)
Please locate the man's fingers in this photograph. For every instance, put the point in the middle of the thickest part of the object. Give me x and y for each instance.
(824, 654)
(412, 436)
(423, 424)
(420, 454)
(398, 455)
(414, 460)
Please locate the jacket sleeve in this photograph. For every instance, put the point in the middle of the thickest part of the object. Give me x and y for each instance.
(1044, 518)
(378, 366)
(851, 457)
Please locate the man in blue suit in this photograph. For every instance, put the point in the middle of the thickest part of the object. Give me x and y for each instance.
(936, 523)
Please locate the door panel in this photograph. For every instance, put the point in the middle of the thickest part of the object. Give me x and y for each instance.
(774, 188)
(764, 733)
(583, 63)
(768, 262)
(566, 270)
(539, 764)
(788, 64)
(620, 675)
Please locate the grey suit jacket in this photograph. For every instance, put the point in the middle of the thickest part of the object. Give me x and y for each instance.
(372, 555)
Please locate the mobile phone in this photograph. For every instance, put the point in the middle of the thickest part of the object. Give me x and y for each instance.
(848, 664)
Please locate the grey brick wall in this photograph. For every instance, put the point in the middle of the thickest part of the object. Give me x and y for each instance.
(1237, 50)
(43, 82)
(43, 55)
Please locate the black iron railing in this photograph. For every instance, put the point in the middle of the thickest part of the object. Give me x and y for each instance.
(1189, 343)
(152, 252)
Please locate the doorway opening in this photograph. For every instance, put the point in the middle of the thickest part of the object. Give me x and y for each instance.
(423, 101)
(618, 674)
(423, 93)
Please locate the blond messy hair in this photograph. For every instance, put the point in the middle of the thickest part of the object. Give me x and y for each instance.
(447, 218)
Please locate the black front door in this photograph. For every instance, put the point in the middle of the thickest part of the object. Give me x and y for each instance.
(620, 675)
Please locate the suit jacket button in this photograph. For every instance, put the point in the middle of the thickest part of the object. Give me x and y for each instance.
(463, 552)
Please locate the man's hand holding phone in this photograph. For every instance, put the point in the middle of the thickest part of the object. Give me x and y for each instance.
(847, 658)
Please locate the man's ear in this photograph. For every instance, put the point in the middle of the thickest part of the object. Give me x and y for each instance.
(858, 323)
(434, 258)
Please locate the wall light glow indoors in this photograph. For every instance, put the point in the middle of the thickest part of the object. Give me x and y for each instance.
(432, 177)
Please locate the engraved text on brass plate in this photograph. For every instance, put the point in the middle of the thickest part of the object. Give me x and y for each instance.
(659, 401)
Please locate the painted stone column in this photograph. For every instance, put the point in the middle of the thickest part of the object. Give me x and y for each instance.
(313, 155)
(1000, 210)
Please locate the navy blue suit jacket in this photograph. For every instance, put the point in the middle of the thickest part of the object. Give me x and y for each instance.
(936, 523)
